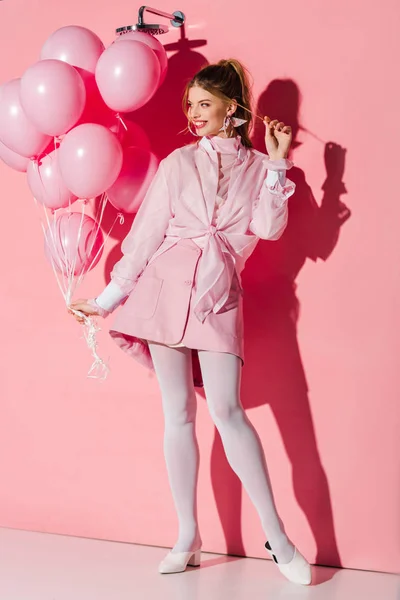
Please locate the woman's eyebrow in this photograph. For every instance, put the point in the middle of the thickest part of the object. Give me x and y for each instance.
(205, 100)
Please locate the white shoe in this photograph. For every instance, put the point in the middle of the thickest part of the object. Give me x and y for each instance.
(298, 570)
(176, 562)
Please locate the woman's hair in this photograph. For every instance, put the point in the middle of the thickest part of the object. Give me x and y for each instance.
(228, 80)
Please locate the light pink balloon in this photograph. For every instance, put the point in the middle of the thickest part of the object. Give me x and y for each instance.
(138, 170)
(12, 159)
(90, 159)
(153, 43)
(75, 45)
(46, 183)
(128, 75)
(53, 96)
(72, 241)
(16, 130)
(133, 135)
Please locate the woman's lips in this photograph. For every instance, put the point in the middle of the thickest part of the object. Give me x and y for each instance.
(199, 124)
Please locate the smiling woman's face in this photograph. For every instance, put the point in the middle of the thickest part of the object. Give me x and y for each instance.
(206, 112)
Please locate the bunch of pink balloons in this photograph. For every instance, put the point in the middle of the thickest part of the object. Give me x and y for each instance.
(61, 124)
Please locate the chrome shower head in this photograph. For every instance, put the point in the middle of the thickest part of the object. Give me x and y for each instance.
(152, 29)
(177, 19)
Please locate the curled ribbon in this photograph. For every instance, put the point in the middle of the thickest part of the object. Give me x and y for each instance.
(99, 368)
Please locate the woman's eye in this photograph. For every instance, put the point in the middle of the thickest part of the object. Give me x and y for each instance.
(202, 105)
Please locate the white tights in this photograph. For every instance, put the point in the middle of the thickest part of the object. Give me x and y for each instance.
(221, 376)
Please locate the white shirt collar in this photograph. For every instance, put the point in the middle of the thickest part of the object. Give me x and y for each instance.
(206, 145)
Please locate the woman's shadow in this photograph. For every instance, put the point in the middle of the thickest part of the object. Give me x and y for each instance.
(273, 373)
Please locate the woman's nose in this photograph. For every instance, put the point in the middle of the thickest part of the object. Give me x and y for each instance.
(194, 113)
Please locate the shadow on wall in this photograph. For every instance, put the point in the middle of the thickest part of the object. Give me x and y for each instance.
(273, 373)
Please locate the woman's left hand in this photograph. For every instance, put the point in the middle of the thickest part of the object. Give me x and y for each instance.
(278, 138)
(84, 307)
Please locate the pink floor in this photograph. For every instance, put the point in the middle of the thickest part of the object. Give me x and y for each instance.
(39, 566)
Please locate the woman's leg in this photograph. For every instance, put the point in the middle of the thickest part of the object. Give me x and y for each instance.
(173, 367)
(221, 376)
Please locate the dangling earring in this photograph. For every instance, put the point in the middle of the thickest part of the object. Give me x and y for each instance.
(227, 122)
(237, 122)
(192, 132)
(234, 121)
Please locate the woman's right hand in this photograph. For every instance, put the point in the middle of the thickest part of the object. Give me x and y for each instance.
(84, 307)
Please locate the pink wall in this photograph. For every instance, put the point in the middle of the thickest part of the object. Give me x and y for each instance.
(82, 458)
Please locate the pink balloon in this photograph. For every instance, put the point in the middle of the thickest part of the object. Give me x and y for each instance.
(128, 75)
(46, 183)
(72, 242)
(153, 43)
(78, 46)
(16, 130)
(12, 159)
(90, 160)
(138, 170)
(53, 96)
(133, 135)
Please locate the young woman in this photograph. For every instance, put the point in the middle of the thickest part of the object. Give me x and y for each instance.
(206, 209)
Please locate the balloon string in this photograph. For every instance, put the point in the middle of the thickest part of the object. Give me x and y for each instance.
(120, 119)
(63, 291)
(72, 269)
(70, 266)
(251, 112)
(57, 170)
(49, 238)
(99, 366)
(98, 219)
(121, 218)
(36, 168)
(99, 208)
(300, 126)
(312, 134)
(59, 250)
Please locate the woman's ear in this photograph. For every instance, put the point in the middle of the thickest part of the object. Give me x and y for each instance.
(232, 109)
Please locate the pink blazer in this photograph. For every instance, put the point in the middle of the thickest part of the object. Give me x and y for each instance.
(180, 204)
(189, 294)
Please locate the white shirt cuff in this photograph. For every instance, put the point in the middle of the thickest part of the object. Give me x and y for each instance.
(110, 297)
(274, 176)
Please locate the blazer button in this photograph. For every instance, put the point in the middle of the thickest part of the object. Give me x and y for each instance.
(188, 282)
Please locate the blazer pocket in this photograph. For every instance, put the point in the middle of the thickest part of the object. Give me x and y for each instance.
(234, 295)
(146, 295)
